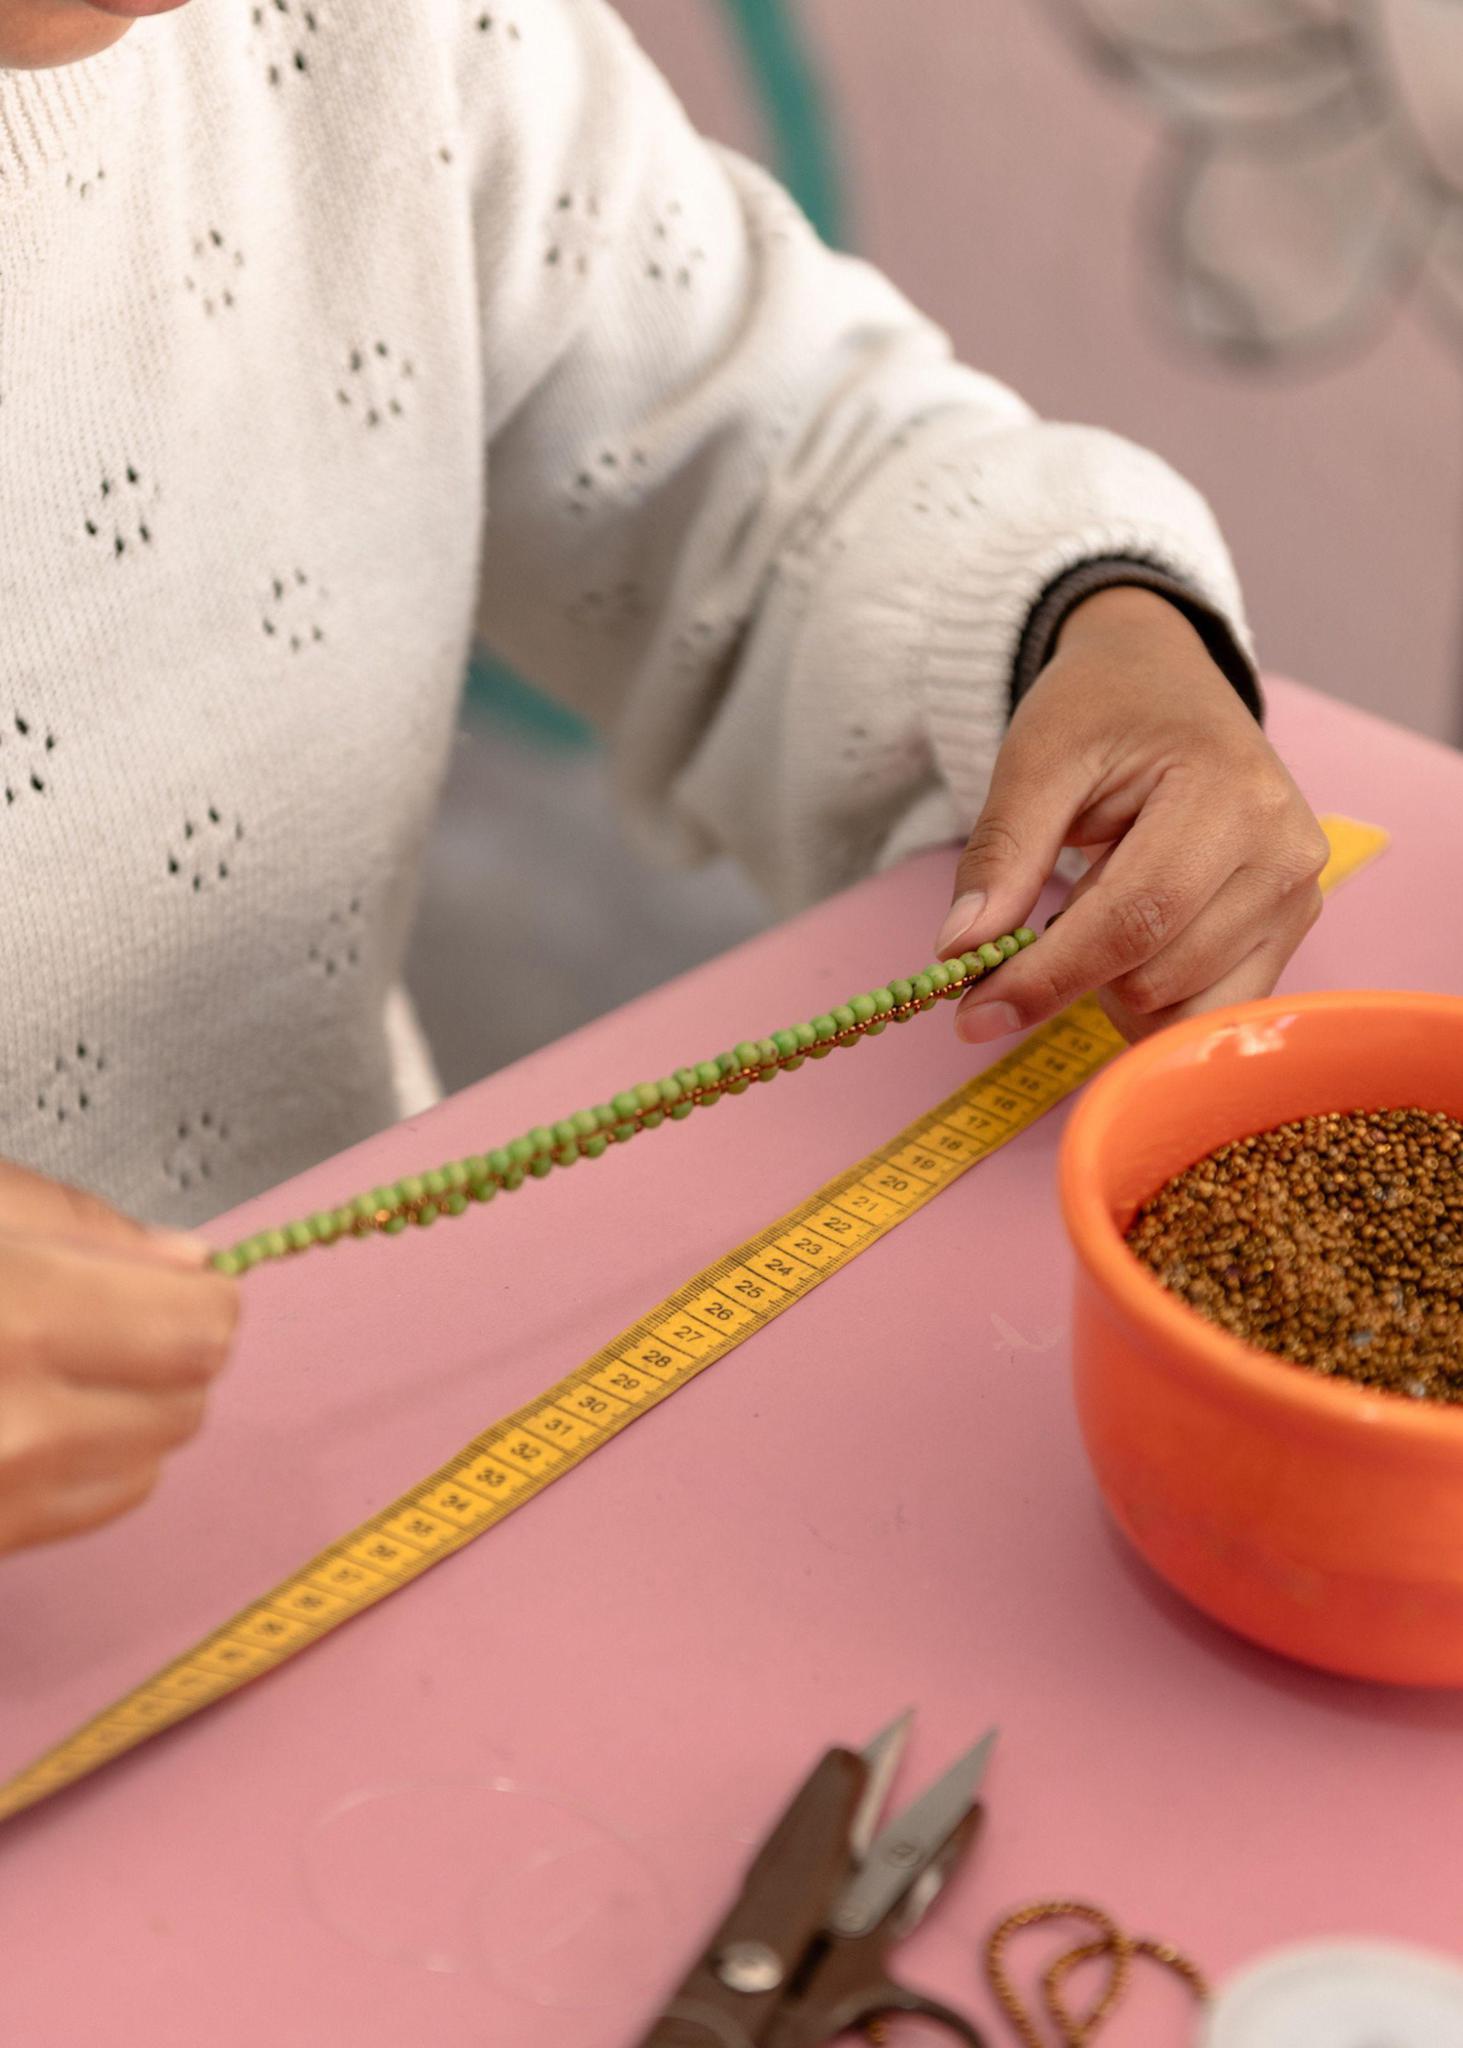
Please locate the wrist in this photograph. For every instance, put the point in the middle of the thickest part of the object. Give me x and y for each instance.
(1123, 611)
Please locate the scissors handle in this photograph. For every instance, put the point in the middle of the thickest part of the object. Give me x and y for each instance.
(849, 1987)
(900, 2000)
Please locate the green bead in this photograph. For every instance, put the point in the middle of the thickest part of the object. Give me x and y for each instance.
(543, 1138)
(275, 1243)
(626, 1103)
(1009, 945)
(883, 1000)
(541, 1165)
(456, 1202)
(902, 991)
(565, 1131)
(843, 1017)
(820, 1052)
(647, 1095)
(678, 1110)
(689, 1079)
(595, 1147)
(230, 1264)
(605, 1117)
(737, 1087)
(585, 1122)
(973, 965)
(652, 1120)
(923, 986)
(324, 1226)
(879, 1024)
(791, 1066)
(671, 1089)
(435, 1182)
(768, 1073)
(1024, 935)
(805, 1035)
(300, 1236)
(747, 1054)
(708, 1073)
(566, 1155)
(513, 1180)
(411, 1189)
(939, 974)
(426, 1214)
(500, 1161)
(345, 1220)
(989, 955)
(825, 1026)
(710, 1099)
(863, 1008)
(623, 1133)
(252, 1251)
(483, 1190)
(521, 1151)
(462, 1171)
(365, 1207)
(786, 1043)
(395, 1226)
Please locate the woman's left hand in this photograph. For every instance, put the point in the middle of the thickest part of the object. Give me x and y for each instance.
(1132, 745)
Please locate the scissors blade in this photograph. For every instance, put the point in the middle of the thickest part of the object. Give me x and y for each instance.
(911, 1845)
(882, 1757)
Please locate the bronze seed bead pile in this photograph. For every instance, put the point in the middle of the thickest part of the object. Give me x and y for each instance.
(449, 1190)
(1335, 1242)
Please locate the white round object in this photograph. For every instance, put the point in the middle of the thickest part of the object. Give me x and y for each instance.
(1341, 1994)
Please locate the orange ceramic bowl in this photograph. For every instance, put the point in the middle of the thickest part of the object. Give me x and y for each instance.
(1311, 1515)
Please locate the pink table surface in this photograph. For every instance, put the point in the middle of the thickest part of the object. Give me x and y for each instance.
(501, 1807)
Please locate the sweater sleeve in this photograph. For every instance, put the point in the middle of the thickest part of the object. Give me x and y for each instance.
(744, 509)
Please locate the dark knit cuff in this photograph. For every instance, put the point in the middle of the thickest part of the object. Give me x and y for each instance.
(1061, 598)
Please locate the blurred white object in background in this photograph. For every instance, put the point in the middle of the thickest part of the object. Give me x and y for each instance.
(1318, 160)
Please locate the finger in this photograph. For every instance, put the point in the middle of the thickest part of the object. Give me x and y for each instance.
(1035, 793)
(72, 1456)
(1249, 979)
(76, 1510)
(36, 1207)
(1097, 861)
(1249, 908)
(1152, 886)
(79, 1316)
(54, 1434)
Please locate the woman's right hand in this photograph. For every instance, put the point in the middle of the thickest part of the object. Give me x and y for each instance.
(110, 1335)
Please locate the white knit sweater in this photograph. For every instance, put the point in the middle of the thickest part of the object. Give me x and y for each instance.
(328, 327)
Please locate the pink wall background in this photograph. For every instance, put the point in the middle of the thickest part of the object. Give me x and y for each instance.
(1006, 186)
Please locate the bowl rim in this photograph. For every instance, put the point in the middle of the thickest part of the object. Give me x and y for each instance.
(1183, 1332)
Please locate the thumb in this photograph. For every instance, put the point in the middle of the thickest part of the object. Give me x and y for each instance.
(1010, 854)
(32, 1206)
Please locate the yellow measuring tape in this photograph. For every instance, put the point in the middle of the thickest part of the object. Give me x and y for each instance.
(519, 1457)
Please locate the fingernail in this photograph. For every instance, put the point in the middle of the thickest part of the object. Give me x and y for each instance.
(962, 923)
(182, 1246)
(984, 1021)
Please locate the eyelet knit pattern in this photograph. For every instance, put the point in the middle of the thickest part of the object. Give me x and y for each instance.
(397, 320)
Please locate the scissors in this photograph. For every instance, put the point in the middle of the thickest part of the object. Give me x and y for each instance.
(800, 1959)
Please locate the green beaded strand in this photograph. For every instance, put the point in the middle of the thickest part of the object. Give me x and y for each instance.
(450, 1190)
